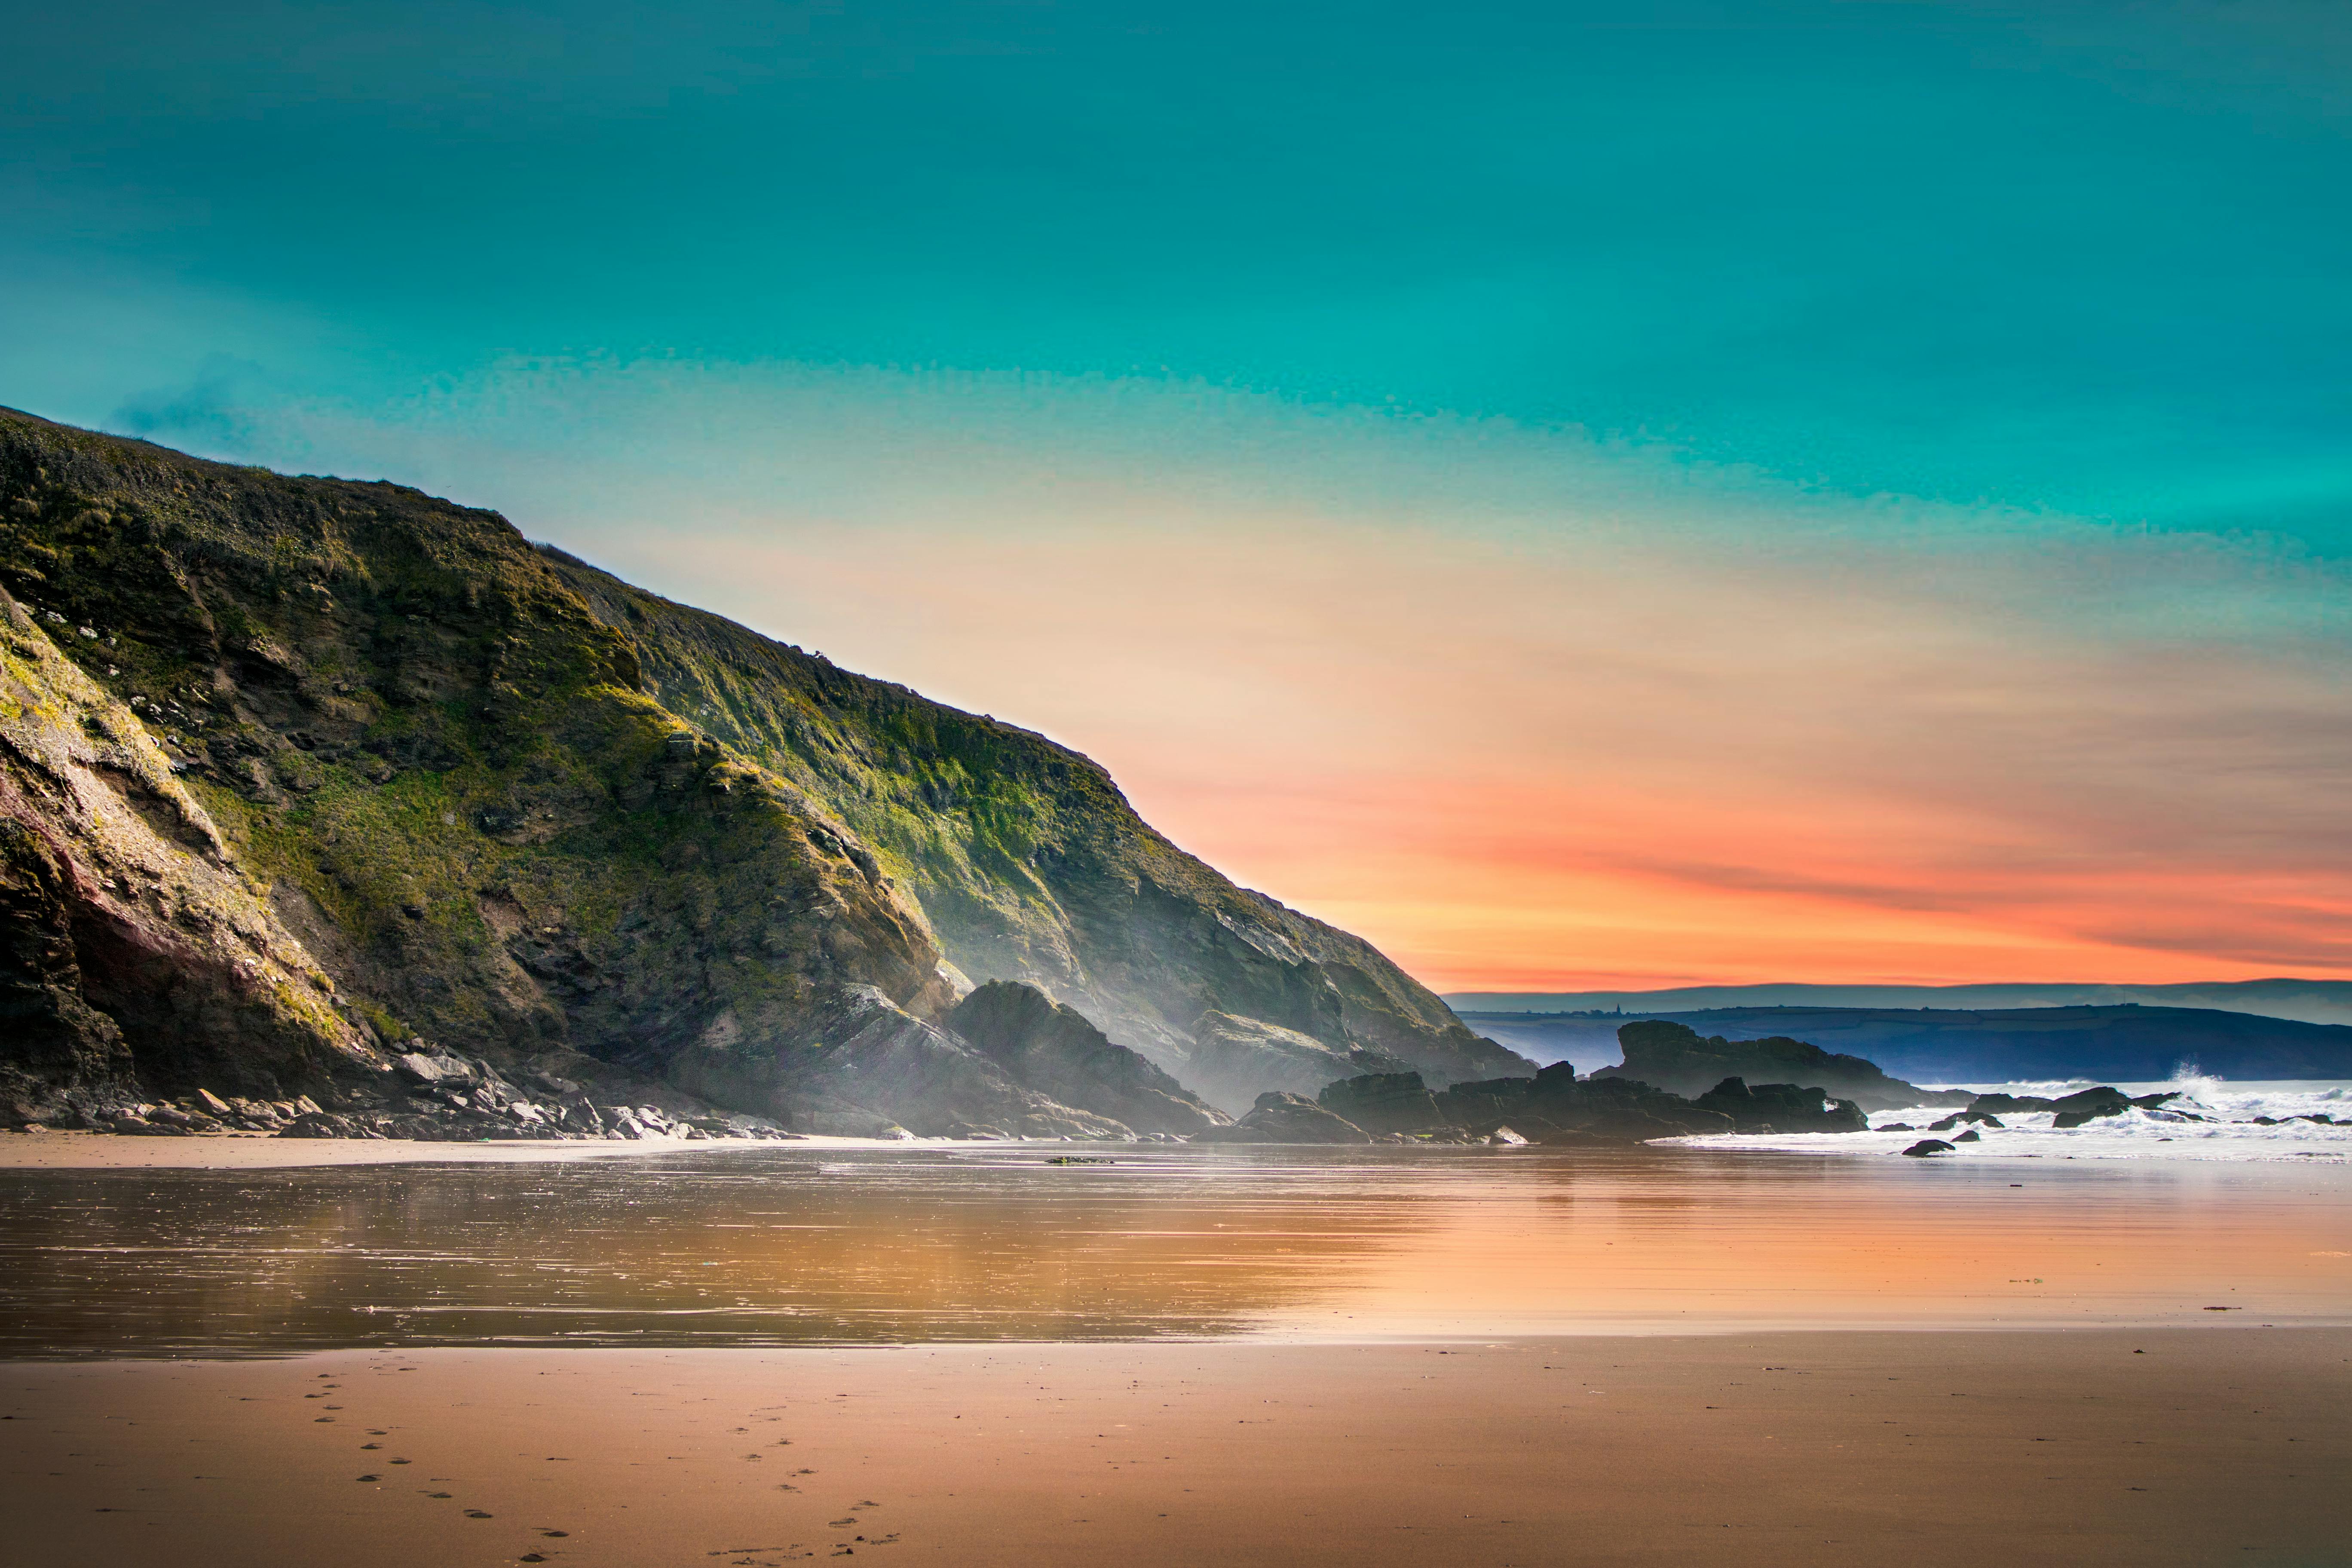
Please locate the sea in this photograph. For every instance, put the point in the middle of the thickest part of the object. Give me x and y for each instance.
(2208, 1119)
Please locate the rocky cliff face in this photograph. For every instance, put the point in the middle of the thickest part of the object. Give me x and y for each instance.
(1027, 861)
(294, 771)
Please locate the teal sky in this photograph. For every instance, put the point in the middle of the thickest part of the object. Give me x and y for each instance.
(2087, 257)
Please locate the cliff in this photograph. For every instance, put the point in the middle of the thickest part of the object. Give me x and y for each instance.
(295, 771)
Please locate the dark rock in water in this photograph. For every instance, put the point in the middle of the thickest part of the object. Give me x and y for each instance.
(1782, 1107)
(1971, 1136)
(1677, 1058)
(1926, 1146)
(1384, 1102)
(2011, 1102)
(1280, 1118)
(1896, 1127)
(2151, 1102)
(1053, 1049)
(1233, 1060)
(2089, 1105)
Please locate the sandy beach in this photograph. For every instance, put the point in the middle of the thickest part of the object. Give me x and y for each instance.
(2141, 1447)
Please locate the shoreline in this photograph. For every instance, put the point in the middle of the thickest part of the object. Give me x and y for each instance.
(76, 1151)
(2094, 1447)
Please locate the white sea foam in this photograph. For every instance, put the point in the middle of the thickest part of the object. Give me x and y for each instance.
(2211, 1119)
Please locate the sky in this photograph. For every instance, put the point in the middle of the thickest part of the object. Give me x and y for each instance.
(1587, 495)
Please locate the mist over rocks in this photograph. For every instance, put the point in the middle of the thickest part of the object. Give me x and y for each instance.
(295, 771)
(1232, 1060)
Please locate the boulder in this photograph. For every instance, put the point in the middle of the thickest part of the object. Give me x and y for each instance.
(1781, 1107)
(1282, 1118)
(1971, 1136)
(1926, 1146)
(416, 1067)
(1056, 1052)
(1383, 1102)
(2089, 1105)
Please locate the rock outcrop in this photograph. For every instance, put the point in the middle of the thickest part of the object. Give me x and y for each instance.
(1552, 1107)
(294, 771)
(1280, 1118)
(1675, 1057)
(1781, 1107)
(1385, 1102)
(1055, 1051)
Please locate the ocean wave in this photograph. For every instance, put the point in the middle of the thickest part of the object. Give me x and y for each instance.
(2208, 1119)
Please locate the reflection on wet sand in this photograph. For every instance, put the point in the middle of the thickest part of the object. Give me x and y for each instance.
(778, 1246)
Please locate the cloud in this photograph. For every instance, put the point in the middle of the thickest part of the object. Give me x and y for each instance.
(1527, 708)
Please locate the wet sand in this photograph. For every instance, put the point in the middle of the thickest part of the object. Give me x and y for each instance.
(2221, 1445)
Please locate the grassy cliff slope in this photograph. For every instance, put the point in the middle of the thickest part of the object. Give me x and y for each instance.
(1026, 859)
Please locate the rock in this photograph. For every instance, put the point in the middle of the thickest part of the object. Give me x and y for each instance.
(1971, 1136)
(214, 1103)
(1506, 1137)
(1782, 1107)
(1282, 1118)
(1055, 1051)
(1896, 1127)
(139, 1127)
(1927, 1146)
(318, 1124)
(1677, 1059)
(418, 1068)
(2011, 1102)
(1383, 1102)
